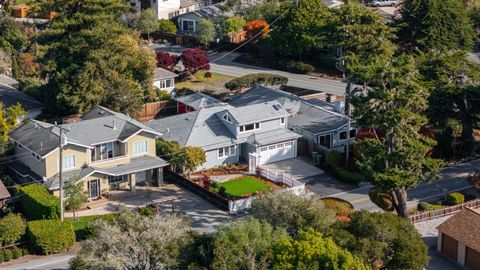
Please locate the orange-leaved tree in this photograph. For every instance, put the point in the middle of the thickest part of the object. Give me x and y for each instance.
(254, 27)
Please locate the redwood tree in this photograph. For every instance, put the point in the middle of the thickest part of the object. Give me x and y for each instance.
(166, 60)
(194, 60)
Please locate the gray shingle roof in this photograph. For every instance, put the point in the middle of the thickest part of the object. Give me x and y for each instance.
(261, 94)
(273, 136)
(161, 73)
(10, 96)
(316, 120)
(98, 126)
(209, 12)
(135, 165)
(256, 112)
(187, 3)
(197, 100)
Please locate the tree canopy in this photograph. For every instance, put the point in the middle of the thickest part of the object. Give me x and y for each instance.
(91, 58)
(205, 32)
(147, 23)
(167, 26)
(12, 38)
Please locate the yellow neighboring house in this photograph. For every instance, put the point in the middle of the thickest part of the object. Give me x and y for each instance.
(106, 150)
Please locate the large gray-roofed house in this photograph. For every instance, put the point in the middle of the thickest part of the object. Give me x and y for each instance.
(105, 150)
(317, 121)
(232, 134)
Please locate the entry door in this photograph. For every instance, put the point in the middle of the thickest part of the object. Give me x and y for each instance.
(94, 188)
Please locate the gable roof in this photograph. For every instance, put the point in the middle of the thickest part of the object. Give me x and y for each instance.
(161, 73)
(257, 112)
(202, 128)
(317, 120)
(261, 94)
(97, 126)
(464, 227)
(197, 100)
(10, 96)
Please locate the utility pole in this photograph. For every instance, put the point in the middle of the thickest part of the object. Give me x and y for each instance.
(60, 165)
(347, 112)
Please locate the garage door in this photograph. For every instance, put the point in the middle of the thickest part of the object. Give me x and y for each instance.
(276, 152)
(449, 246)
(472, 259)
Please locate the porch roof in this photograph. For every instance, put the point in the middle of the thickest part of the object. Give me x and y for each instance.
(135, 165)
(273, 136)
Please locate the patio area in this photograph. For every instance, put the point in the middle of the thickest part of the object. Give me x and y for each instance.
(203, 216)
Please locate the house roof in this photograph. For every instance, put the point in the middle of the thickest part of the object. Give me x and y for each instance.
(208, 12)
(4, 194)
(135, 165)
(274, 136)
(161, 73)
(314, 116)
(6, 80)
(197, 100)
(464, 227)
(10, 96)
(203, 128)
(187, 3)
(259, 111)
(97, 126)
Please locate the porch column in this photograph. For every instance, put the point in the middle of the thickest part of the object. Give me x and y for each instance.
(132, 182)
(160, 176)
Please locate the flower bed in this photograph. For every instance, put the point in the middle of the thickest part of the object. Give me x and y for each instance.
(223, 170)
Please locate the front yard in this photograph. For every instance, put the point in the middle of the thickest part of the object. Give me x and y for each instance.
(243, 186)
(198, 82)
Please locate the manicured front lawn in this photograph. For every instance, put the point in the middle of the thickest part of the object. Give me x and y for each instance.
(80, 224)
(198, 82)
(242, 186)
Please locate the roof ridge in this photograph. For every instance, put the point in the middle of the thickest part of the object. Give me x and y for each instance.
(193, 124)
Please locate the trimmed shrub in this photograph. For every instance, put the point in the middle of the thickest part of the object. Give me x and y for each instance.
(12, 229)
(424, 206)
(16, 252)
(7, 255)
(251, 80)
(37, 203)
(298, 67)
(348, 176)
(146, 211)
(455, 198)
(51, 236)
(381, 199)
(333, 159)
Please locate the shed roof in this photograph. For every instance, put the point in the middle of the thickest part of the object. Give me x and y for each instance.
(161, 73)
(464, 227)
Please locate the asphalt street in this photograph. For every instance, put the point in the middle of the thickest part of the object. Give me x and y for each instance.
(53, 262)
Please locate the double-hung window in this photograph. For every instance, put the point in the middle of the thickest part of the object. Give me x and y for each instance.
(226, 151)
(68, 162)
(140, 147)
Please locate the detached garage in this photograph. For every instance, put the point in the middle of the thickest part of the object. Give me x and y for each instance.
(459, 238)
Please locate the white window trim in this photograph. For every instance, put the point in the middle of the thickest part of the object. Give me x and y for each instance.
(227, 118)
(282, 121)
(254, 127)
(74, 163)
(141, 153)
(230, 152)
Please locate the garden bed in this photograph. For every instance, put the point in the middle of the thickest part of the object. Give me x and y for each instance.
(242, 187)
(222, 170)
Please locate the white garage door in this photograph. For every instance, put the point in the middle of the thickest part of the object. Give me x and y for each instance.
(276, 152)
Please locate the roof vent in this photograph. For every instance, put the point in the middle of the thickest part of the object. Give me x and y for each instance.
(41, 145)
(277, 106)
(114, 127)
(168, 130)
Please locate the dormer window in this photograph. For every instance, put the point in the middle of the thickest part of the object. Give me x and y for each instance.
(226, 117)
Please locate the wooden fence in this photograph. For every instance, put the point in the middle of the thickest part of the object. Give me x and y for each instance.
(150, 110)
(423, 216)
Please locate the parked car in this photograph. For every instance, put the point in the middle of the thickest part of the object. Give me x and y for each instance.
(383, 3)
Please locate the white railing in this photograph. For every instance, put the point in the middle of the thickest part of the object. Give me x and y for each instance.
(280, 177)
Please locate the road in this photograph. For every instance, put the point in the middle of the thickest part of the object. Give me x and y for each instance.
(53, 262)
(452, 179)
(226, 66)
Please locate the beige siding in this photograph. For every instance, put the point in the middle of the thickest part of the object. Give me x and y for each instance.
(51, 161)
(37, 166)
(142, 137)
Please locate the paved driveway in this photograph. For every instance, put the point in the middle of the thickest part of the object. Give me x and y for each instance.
(315, 178)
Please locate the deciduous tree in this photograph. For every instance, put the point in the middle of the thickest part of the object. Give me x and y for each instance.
(257, 29)
(166, 60)
(9, 119)
(194, 60)
(75, 195)
(205, 32)
(234, 24)
(167, 26)
(147, 23)
(194, 157)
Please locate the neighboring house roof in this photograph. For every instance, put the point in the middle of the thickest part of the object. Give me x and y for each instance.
(202, 128)
(161, 74)
(208, 12)
(135, 165)
(464, 227)
(10, 96)
(22, 169)
(314, 116)
(4, 194)
(98, 126)
(197, 100)
(6, 80)
(187, 3)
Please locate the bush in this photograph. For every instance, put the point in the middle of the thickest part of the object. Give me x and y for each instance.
(82, 228)
(348, 176)
(146, 211)
(12, 229)
(455, 198)
(37, 203)
(1, 256)
(251, 80)
(341, 207)
(333, 159)
(424, 206)
(298, 67)
(381, 199)
(16, 252)
(207, 75)
(51, 236)
(222, 191)
(7, 255)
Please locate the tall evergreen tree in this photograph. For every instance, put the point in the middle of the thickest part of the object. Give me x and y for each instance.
(93, 58)
(399, 159)
(434, 25)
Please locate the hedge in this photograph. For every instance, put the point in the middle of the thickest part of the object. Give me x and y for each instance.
(333, 159)
(251, 80)
(381, 199)
(348, 176)
(12, 229)
(455, 198)
(298, 67)
(37, 203)
(424, 206)
(51, 236)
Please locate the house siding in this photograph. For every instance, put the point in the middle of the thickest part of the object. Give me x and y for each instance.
(37, 166)
(213, 160)
(51, 161)
(269, 125)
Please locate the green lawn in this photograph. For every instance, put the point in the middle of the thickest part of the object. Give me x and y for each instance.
(80, 224)
(242, 186)
(198, 82)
